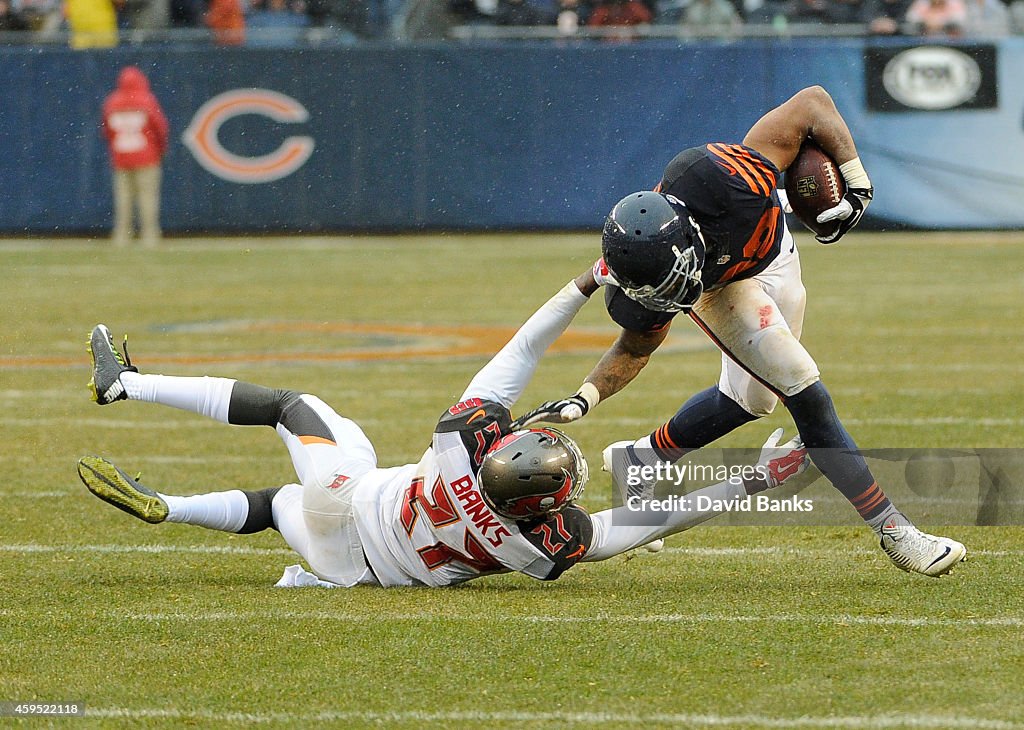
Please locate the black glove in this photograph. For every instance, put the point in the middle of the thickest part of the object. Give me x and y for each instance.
(849, 212)
(554, 411)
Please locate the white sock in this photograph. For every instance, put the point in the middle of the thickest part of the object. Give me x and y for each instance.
(205, 395)
(225, 511)
(645, 452)
(876, 522)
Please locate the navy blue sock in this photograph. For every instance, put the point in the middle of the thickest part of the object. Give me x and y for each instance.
(833, 450)
(705, 417)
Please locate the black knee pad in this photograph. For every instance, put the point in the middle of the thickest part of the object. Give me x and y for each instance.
(261, 512)
(256, 405)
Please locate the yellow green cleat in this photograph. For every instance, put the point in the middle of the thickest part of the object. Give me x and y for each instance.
(115, 487)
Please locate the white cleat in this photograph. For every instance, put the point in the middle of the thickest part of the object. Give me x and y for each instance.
(619, 459)
(615, 459)
(655, 546)
(609, 451)
(918, 552)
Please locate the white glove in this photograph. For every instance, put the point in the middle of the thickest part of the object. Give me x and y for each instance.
(778, 463)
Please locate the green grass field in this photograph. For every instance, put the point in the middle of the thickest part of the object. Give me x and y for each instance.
(917, 336)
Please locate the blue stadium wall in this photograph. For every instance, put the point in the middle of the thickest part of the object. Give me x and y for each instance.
(488, 136)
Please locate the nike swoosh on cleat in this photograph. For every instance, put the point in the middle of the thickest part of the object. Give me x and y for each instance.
(948, 551)
(479, 414)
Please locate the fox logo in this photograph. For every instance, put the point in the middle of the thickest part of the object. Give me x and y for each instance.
(201, 136)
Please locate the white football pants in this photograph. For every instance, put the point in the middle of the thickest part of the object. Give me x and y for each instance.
(328, 469)
(757, 323)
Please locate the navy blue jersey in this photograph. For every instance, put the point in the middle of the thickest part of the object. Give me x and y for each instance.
(730, 191)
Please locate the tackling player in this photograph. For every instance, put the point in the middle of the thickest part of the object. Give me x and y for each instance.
(711, 241)
(484, 498)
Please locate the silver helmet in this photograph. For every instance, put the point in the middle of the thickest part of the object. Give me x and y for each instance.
(532, 472)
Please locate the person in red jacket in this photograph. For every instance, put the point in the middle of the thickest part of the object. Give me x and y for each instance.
(136, 131)
(622, 13)
(226, 19)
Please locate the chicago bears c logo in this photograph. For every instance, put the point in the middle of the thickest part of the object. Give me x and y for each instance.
(202, 140)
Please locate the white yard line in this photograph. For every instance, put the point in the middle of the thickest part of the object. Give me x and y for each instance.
(1013, 622)
(803, 552)
(631, 422)
(927, 367)
(700, 552)
(140, 423)
(936, 421)
(849, 722)
(37, 495)
(30, 548)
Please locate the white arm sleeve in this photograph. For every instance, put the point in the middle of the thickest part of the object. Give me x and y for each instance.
(505, 377)
(613, 533)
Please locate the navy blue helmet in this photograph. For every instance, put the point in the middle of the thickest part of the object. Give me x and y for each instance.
(654, 249)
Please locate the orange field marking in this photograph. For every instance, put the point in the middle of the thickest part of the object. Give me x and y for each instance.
(413, 342)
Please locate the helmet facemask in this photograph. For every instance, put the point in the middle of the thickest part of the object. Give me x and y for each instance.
(655, 250)
(680, 288)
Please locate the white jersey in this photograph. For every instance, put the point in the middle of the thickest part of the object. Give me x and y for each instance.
(428, 524)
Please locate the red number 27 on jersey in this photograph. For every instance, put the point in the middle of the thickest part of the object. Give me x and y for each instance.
(440, 512)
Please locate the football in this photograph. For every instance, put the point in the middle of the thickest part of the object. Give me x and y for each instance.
(814, 184)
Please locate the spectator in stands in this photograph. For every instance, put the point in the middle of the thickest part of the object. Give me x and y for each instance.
(987, 18)
(570, 16)
(93, 23)
(319, 12)
(11, 19)
(41, 15)
(519, 12)
(136, 132)
(274, 22)
(467, 12)
(829, 12)
(360, 17)
(885, 17)
(619, 13)
(937, 17)
(712, 16)
(186, 13)
(226, 19)
(766, 12)
(349, 20)
(143, 14)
